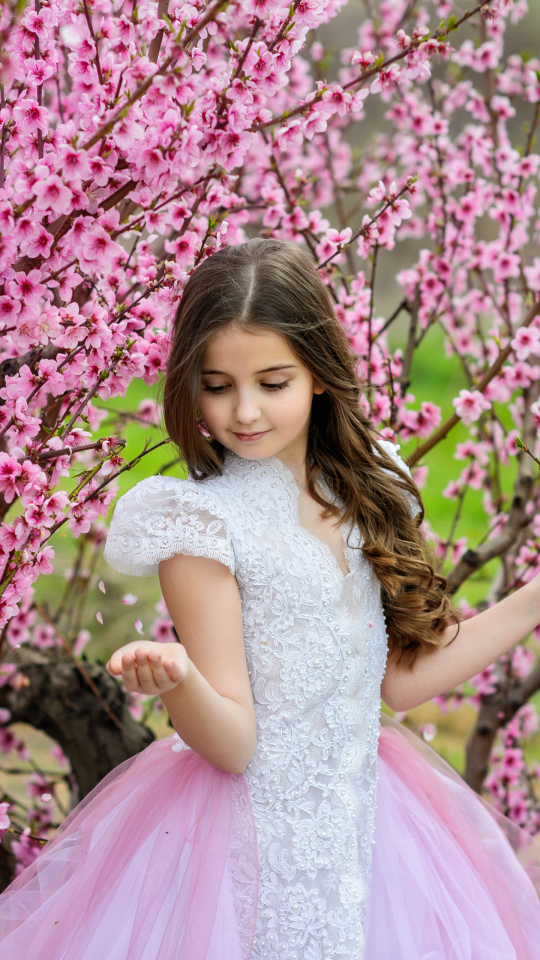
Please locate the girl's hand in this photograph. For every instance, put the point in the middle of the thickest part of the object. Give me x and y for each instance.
(151, 668)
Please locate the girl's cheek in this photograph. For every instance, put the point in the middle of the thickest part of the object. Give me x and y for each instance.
(214, 411)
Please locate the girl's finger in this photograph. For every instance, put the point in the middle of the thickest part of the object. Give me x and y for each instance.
(129, 672)
(114, 666)
(161, 677)
(174, 670)
(144, 672)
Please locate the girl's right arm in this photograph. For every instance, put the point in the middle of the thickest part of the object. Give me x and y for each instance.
(204, 684)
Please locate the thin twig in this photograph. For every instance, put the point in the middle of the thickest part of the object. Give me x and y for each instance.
(113, 476)
(451, 422)
(438, 35)
(92, 34)
(139, 92)
(52, 454)
(370, 317)
(363, 230)
(393, 316)
(43, 613)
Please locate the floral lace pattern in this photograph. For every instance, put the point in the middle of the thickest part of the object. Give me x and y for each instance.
(316, 648)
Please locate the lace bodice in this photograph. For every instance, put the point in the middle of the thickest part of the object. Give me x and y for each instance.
(316, 650)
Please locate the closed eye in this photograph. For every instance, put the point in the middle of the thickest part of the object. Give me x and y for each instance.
(221, 388)
(275, 386)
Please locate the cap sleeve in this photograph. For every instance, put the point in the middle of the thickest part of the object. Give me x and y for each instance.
(392, 450)
(162, 516)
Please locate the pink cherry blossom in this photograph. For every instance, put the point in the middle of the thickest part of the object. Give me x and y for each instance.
(10, 471)
(470, 404)
(162, 631)
(512, 762)
(31, 116)
(38, 71)
(38, 21)
(98, 249)
(532, 274)
(386, 81)
(4, 819)
(40, 243)
(8, 310)
(526, 341)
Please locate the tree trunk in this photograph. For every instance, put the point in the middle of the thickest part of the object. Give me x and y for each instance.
(59, 701)
(496, 710)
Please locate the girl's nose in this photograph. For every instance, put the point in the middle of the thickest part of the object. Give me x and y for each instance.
(247, 409)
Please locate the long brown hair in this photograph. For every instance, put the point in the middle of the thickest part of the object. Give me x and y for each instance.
(273, 284)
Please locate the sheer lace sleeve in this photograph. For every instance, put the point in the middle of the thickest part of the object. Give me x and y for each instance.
(392, 450)
(162, 516)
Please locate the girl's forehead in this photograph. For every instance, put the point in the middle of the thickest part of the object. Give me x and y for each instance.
(246, 346)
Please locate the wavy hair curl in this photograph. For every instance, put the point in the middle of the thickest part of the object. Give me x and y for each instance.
(273, 284)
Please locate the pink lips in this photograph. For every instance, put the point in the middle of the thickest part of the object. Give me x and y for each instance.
(250, 437)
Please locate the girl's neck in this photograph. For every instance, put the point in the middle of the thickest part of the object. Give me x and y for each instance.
(294, 458)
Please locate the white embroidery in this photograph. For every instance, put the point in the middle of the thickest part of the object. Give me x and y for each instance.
(316, 649)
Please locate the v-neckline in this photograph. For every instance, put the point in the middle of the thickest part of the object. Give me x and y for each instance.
(288, 479)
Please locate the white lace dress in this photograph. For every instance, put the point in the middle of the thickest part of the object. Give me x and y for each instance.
(316, 650)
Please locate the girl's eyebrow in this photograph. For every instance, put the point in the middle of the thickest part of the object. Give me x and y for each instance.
(282, 366)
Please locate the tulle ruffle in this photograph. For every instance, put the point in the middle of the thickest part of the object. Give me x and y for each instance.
(446, 883)
(158, 862)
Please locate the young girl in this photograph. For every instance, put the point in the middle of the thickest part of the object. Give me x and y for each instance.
(293, 566)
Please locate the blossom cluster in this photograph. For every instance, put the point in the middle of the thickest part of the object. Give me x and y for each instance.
(512, 783)
(135, 140)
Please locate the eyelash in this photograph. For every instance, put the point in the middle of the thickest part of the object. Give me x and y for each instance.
(272, 387)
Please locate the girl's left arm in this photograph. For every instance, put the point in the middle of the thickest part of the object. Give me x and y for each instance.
(480, 641)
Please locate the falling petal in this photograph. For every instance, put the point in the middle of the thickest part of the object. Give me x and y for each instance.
(129, 599)
(139, 626)
(101, 586)
(45, 797)
(99, 618)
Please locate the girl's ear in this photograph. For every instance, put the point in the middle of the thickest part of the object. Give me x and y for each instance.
(318, 387)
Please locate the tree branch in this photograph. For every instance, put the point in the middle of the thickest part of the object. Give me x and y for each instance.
(58, 701)
(155, 45)
(472, 560)
(411, 342)
(139, 92)
(449, 424)
(438, 35)
(496, 711)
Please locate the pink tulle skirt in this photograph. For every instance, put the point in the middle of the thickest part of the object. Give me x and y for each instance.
(448, 881)
(159, 862)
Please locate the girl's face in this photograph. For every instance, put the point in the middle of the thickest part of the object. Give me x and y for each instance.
(255, 394)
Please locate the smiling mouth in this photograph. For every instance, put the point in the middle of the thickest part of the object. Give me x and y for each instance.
(250, 437)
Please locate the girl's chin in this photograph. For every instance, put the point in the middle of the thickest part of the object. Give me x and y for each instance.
(253, 449)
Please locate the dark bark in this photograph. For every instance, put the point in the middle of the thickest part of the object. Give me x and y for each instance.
(495, 712)
(59, 701)
(155, 46)
(7, 864)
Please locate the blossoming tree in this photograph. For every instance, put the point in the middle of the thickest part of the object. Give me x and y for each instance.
(137, 139)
